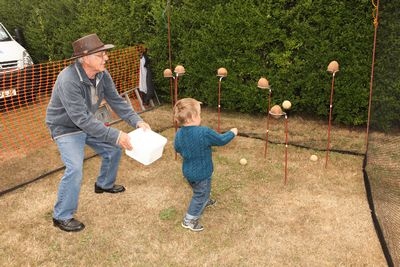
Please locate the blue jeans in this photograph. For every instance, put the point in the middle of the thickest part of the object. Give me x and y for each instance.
(71, 148)
(201, 194)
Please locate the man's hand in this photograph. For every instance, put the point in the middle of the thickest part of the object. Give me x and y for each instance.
(143, 125)
(125, 141)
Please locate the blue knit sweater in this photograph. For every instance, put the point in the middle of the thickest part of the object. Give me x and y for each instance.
(194, 144)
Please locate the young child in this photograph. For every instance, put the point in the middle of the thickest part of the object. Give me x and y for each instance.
(193, 142)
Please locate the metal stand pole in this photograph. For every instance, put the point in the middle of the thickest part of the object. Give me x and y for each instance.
(329, 122)
(176, 100)
(266, 134)
(221, 73)
(286, 146)
(219, 104)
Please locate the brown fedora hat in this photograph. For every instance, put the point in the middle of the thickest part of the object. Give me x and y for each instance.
(89, 44)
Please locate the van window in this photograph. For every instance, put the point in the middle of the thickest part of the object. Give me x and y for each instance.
(4, 35)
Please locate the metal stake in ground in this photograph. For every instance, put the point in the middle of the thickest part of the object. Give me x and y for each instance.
(286, 146)
(286, 105)
(276, 113)
(169, 48)
(264, 84)
(168, 74)
(333, 67)
(221, 73)
(179, 71)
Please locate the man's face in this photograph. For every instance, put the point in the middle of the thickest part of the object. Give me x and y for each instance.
(96, 62)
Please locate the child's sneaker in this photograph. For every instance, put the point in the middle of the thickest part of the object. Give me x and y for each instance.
(210, 202)
(193, 225)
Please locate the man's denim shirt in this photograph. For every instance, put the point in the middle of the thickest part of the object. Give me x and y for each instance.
(71, 110)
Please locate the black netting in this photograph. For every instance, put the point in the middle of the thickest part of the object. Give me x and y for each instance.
(382, 165)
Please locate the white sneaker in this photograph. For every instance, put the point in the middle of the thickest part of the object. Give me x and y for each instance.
(193, 225)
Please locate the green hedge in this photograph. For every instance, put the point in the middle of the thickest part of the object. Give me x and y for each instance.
(385, 108)
(289, 42)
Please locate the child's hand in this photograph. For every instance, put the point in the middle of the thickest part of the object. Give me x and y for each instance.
(234, 130)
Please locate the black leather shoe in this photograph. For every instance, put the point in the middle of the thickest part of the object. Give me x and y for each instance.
(70, 225)
(115, 189)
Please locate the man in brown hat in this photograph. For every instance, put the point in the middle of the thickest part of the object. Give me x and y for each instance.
(77, 94)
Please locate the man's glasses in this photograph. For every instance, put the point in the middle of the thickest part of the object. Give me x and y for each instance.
(100, 55)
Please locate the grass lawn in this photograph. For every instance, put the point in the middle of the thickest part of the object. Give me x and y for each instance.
(319, 218)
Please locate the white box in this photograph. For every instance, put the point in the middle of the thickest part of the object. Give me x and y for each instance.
(147, 145)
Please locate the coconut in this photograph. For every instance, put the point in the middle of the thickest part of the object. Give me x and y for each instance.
(263, 83)
(276, 112)
(179, 69)
(333, 67)
(167, 73)
(222, 72)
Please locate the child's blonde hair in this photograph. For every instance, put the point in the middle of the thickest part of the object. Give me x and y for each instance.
(185, 110)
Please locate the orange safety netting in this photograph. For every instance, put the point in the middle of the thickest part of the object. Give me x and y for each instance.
(24, 95)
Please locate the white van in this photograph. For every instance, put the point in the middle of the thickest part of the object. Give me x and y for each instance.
(13, 57)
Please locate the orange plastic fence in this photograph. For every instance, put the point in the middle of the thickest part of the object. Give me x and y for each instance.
(24, 95)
